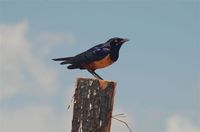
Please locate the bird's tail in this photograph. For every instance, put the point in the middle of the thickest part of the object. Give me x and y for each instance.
(65, 60)
(62, 59)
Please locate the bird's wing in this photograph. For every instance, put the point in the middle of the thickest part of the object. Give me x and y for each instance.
(100, 46)
(94, 54)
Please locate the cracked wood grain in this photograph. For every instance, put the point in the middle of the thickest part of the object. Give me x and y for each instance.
(93, 105)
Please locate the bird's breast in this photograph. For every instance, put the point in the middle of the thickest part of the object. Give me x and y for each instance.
(106, 61)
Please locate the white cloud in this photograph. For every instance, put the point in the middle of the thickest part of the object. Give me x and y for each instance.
(13, 48)
(37, 118)
(22, 71)
(48, 40)
(177, 123)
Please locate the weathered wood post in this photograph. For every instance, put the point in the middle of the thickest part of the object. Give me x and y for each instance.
(93, 105)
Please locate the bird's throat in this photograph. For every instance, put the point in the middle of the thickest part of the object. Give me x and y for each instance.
(114, 54)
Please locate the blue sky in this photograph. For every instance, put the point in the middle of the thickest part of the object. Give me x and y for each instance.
(157, 74)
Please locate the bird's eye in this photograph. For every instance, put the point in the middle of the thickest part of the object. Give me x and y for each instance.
(116, 41)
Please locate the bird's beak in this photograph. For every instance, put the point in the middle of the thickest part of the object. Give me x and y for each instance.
(124, 40)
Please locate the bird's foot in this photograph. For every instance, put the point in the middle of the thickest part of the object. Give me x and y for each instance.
(95, 75)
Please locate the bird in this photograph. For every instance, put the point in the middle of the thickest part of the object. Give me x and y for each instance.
(97, 57)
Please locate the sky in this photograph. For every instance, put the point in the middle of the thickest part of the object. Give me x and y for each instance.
(157, 74)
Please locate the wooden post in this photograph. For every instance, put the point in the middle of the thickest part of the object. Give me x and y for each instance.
(93, 105)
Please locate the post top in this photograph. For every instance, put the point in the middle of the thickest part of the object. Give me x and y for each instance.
(84, 78)
(102, 83)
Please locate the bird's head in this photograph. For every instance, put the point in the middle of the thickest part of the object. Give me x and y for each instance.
(117, 42)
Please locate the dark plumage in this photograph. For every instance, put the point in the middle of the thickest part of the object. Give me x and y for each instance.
(99, 56)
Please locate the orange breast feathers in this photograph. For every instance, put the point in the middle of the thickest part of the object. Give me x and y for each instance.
(106, 61)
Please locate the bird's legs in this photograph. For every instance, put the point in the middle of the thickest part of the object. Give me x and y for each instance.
(95, 74)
